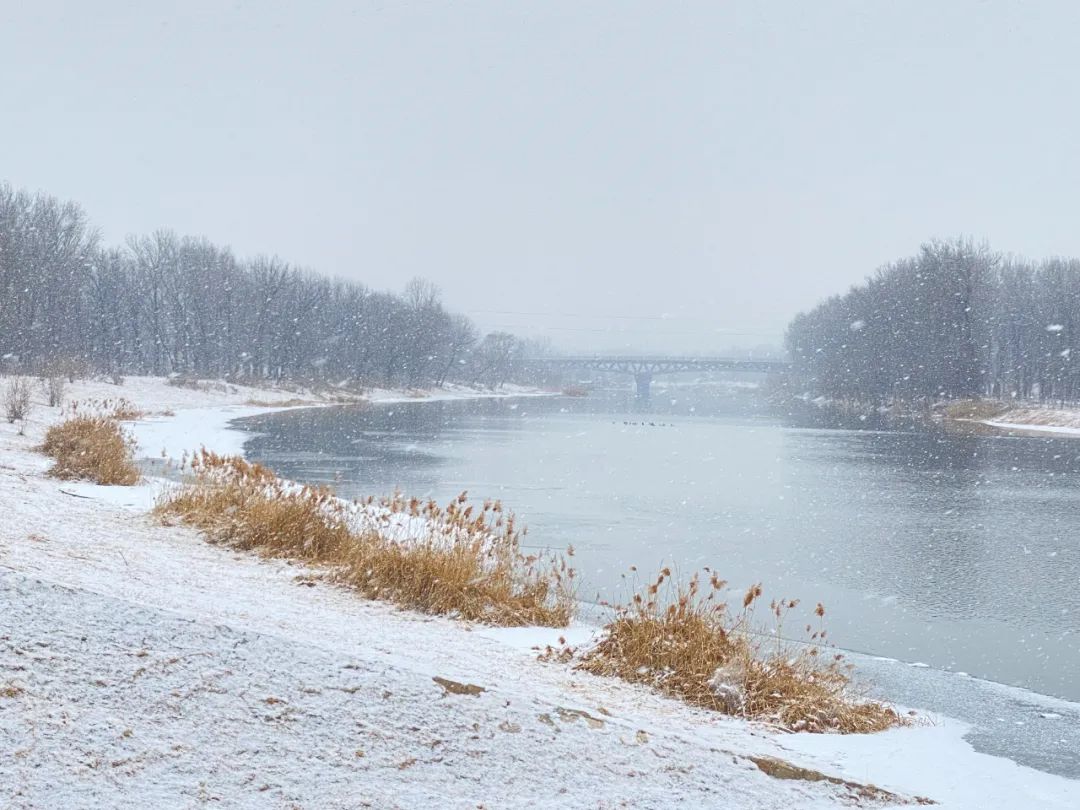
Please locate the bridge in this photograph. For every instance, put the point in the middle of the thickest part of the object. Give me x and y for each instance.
(643, 367)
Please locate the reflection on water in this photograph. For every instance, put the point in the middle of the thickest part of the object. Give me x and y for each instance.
(959, 551)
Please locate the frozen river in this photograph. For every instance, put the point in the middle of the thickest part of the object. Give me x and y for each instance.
(960, 553)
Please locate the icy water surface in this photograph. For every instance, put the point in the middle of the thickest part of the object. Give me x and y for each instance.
(958, 552)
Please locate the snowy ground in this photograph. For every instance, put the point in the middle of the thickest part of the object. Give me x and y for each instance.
(143, 667)
(1059, 421)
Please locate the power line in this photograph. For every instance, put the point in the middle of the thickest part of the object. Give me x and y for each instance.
(697, 333)
(597, 316)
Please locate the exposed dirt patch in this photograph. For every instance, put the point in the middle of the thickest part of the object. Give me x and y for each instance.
(570, 715)
(454, 688)
(781, 769)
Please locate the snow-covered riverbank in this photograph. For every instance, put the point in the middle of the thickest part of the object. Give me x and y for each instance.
(1012, 417)
(1060, 421)
(200, 416)
(142, 666)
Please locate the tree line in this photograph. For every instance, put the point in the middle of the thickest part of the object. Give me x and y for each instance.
(955, 321)
(163, 304)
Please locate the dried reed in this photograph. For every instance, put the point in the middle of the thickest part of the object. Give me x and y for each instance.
(91, 447)
(456, 560)
(684, 641)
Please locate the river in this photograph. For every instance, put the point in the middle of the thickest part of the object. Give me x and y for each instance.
(960, 553)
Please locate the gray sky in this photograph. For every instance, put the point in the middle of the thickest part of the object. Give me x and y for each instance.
(661, 175)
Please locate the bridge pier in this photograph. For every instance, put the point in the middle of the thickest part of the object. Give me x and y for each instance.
(643, 380)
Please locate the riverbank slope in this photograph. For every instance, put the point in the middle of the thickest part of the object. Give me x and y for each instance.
(141, 665)
(1004, 416)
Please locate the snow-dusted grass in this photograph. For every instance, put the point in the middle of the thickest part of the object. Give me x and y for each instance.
(92, 448)
(143, 667)
(974, 410)
(681, 640)
(468, 563)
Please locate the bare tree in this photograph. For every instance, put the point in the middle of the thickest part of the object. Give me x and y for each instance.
(54, 390)
(17, 402)
(164, 304)
(954, 321)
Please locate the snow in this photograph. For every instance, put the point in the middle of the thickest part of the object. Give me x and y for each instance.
(142, 666)
(1062, 430)
(1060, 421)
(174, 436)
(180, 419)
(919, 754)
(452, 391)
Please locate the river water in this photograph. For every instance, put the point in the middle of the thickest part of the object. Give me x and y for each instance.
(957, 552)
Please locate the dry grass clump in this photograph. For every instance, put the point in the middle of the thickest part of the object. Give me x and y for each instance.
(975, 409)
(454, 560)
(117, 409)
(245, 506)
(685, 643)
(459, 559)
(91, 447)
(195, 384)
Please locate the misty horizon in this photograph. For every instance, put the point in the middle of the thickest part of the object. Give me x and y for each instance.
(560, 171)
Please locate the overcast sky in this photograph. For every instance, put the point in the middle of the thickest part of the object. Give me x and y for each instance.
(654, 175)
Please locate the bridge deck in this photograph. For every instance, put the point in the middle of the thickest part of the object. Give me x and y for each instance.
(643, 367)
(645, 364)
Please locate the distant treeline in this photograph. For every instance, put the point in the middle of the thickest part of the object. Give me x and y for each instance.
(957, 320)
(164, 304)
